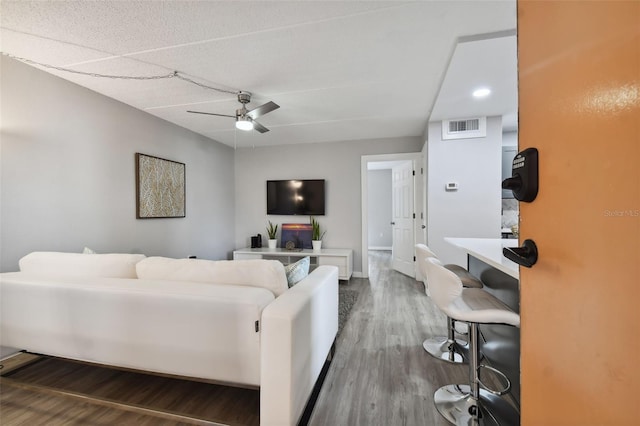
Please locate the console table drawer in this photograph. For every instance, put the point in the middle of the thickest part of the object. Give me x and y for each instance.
(340, 262)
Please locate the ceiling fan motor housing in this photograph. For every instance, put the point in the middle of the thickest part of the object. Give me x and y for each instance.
(244, 97)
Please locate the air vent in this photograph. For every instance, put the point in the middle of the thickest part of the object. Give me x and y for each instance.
(464, 125)
(464, 128)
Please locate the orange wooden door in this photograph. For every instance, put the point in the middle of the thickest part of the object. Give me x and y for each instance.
(579, 91)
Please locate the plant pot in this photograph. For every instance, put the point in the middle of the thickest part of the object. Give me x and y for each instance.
(272, 244)
(317, 245)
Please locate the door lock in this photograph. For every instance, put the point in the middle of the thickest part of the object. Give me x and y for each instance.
(524, 176)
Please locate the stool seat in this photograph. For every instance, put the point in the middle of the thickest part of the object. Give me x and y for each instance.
(447, 348)
(461, 404)
(479, 306)
(465, 276)
(466, 304)
(468, 280)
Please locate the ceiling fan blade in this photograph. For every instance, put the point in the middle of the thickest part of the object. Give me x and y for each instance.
(211, 113)
(259, 127)
(263, 109)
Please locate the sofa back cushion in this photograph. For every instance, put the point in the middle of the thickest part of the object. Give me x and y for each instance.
(111, 265)
(268, 274)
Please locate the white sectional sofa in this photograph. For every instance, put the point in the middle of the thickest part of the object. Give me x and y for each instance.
(230, 321)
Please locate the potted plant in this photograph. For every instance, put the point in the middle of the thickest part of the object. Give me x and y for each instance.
(272, 230)
(316, 234)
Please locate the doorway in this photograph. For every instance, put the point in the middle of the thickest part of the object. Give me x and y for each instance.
(407, 215)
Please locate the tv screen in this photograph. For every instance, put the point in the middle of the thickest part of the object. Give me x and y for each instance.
(295, 197)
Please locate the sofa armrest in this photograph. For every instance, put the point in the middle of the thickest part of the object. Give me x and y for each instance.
(298, 330)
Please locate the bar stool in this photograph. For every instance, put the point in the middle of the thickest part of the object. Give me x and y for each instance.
(468, 404)
(446, 348)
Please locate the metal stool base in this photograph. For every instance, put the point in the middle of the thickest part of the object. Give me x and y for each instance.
(441, 348)
(453, 402)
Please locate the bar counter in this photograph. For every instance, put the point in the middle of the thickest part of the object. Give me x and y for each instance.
(489, 250)
(500, 344)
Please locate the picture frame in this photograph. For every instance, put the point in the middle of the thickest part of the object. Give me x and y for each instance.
(160, 188)
(296, 236)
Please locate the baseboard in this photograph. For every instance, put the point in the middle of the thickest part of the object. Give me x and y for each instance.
(6, 352)
(380, 248)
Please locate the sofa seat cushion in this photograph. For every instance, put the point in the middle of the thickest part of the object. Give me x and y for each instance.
(58, 264)
(268, 274)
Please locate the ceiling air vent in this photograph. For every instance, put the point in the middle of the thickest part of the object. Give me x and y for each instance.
(464, 128)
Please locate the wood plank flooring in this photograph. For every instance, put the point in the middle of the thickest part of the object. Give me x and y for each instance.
(55, 391)
(380, 375)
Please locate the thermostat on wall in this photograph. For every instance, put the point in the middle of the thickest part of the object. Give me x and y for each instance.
(451, 186)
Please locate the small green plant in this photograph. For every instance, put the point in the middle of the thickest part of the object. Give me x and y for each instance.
(316, 232)
(272, 230)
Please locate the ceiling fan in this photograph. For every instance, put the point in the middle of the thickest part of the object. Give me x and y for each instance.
(245, 119)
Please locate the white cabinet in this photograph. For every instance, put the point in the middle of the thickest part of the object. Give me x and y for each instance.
(342, 262)
(342, 258)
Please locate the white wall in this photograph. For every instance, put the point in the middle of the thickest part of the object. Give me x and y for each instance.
(338, 163)
(379, 209)
(68, 175)
(510, 138)
(474, 210)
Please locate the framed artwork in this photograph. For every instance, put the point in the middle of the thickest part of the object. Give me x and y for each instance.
(160, 188)
(296, 236)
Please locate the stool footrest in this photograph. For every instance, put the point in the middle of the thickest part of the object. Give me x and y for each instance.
(503, 391)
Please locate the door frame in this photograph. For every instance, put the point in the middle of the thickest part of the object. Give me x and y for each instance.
(416, 157)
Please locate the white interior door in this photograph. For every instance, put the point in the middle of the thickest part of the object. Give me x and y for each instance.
(420, 197)
(403, 221)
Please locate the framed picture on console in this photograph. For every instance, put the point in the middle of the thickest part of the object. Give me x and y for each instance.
(296, 236)
(160, 188)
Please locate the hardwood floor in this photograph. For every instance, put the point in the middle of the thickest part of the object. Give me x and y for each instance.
(55, 391)
(380, 375)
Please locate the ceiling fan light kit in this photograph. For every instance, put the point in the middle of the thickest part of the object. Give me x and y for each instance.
(244, 123)
(245, 119)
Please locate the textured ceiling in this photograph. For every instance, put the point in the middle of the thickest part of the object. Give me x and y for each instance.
(340, 70)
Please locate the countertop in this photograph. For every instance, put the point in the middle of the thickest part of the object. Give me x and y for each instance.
(489, 250)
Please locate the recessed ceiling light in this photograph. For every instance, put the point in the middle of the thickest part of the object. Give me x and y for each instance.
(481, 93)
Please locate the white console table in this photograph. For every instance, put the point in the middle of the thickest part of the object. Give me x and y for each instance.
(342, 258)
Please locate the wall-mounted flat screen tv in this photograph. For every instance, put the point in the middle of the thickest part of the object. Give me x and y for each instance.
(295, 197)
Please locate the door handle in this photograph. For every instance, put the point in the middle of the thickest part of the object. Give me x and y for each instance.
(527, 255)
(424, 226)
